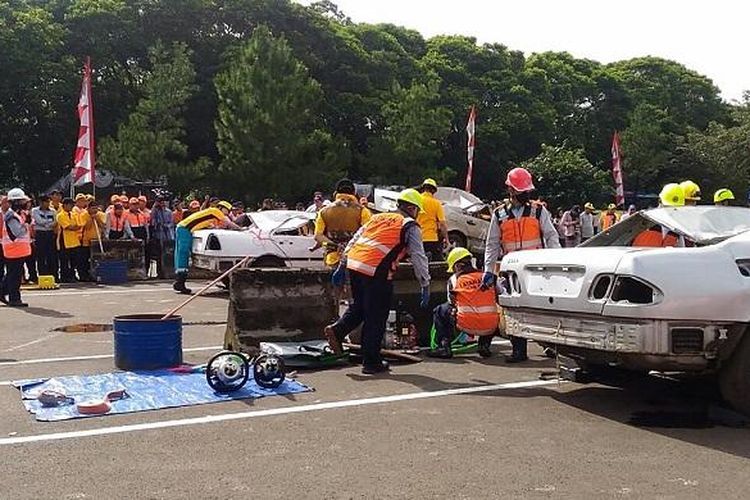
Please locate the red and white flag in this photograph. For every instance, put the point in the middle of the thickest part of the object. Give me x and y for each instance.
(84, 159)
(617, 170)
(470, 129)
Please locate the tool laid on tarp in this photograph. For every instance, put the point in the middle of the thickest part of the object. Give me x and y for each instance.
(305, 354)
(387, 353)
(228, 371)
(53, 399)
(101, 406)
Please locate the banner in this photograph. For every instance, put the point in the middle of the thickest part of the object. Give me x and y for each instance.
(470, 130)
(617, 170)
(84, 159)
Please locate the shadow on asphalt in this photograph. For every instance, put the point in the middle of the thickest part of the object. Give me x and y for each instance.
(45, 313)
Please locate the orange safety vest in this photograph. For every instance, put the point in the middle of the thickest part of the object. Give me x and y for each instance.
(476, 310)
(19, 248)
(521, 233)
(381, 246)
(654, 238)
(608, 220)
(117, 223)
(137, 219)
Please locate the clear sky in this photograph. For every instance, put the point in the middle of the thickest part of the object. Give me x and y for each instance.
(711, 37)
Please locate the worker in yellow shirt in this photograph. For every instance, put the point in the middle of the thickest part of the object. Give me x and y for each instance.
(81, 203)
(432, 222)
(336, 223)
(93, 221)
(68, 241)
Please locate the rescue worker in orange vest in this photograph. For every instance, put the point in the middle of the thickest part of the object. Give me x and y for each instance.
(371, 257)
(336, 223)
(4, 207)
(16, 242)
(610, 217)
(470, 309)
(432, 222)
(138, 220)
(671, 195)
(519, 225)
(116, 225)
(210, 217)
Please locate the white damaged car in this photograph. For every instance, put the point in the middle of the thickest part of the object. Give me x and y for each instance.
(275, 238)
(676, 309)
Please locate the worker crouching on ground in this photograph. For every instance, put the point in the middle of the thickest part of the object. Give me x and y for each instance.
(470, 308)
(16, 242)
(432, 222)
(210, 217)
(519, 225)
(371, 257)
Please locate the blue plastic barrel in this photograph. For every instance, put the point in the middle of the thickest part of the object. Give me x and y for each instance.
(112, 272)
(146, 342)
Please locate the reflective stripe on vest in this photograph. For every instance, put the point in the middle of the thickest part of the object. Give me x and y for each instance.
(521, 233)
(117, 223)
(20, 247)
(380, 247)
(136, 219)
(476, 310)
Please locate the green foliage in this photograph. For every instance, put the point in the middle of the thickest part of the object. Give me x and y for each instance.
(150, 144)
(564, 177)
(270, 135)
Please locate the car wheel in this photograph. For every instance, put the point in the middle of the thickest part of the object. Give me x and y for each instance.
(456, 239)
(268, 261)
(734, 377)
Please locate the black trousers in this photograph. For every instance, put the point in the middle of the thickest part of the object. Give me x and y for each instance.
(46, 253)
(69, 264)
(445, 322)
(371, 302)
(83, 263)
(2, 265)
(30, 262)
(11, 285)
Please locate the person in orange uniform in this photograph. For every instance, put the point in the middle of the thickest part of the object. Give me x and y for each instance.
(94, 222)
(432, 222)
(68, 241)
(519, 225)
(470, 308)
(4, 206)
(210, 217)
(371, 257)
(336, 223)
(610, 217)
(178, 212)
(671, 195)
(138, 220)
(117, 225)
(16, 243)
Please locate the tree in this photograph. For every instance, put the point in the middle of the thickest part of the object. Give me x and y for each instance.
(564, 177)
(270, 136)
(150, 144)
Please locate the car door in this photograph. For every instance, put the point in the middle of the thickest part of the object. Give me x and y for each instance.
(295, 239)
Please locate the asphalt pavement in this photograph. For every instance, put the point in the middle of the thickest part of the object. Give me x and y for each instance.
(464, 428)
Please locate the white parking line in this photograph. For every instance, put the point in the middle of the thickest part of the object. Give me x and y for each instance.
(209, 419)
(98, 291)
(93, 356)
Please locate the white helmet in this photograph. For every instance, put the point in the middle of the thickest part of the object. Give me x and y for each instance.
(17, 194)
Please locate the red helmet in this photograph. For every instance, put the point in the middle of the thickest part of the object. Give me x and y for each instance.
(520, 180)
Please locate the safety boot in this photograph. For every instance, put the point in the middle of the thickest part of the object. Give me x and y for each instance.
(442, 351)
(179, 284)
(483, 346)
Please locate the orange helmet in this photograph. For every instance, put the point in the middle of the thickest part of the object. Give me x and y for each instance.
(134, 201)
(520, 180)
(142, 198)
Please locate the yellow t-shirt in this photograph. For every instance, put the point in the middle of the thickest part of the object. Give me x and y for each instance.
(429, 218)
(89, 231)
(210, 217)
(68, 238)
(333, 258)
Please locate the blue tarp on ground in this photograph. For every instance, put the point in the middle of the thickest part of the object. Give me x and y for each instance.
(147, 390)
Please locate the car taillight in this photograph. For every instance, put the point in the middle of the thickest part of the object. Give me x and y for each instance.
(213, 242)
(601, 286)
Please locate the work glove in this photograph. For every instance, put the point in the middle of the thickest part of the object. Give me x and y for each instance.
(338, 276)
(488, 281)
(424, 301)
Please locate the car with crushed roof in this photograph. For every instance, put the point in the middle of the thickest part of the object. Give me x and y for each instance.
(681, 308)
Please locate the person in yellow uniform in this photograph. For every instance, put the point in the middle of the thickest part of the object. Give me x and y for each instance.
(432, 222)
(723, 197)
(81, 203)
(692, 192)
(210, 217)
(93, 221)
(68, 241)
(336, 223)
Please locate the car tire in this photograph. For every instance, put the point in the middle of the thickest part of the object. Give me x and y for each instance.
(734, 377)
(268, 261)
(456, 239)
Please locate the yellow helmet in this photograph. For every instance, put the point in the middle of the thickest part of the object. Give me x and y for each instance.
(411, 196)
(430, 182)
(691, 190)
(672, 195)
(225, 204)
(723, 194)
(458, 253)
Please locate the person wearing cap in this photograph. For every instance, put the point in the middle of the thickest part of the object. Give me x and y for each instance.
(692, 192)
(589, 222)
(16, 243)
(69, 241)
(161, 229)
(115, 198)
(94, 223)
(56, 197)
(470, 309)
(44, 222)
(116, 224)
(610, 217)
(432, 222)
(143, 205)
(723, 197)
(81, 203)
(517, 226)
(138, 221)
(631, 210)
(371, 257)
(210, 217)
(193, 207)
(178, 212)
(570, 225)
(318, 203)
(336, 224)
